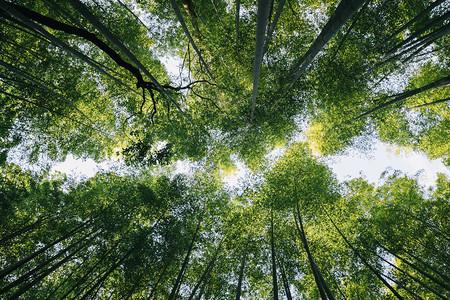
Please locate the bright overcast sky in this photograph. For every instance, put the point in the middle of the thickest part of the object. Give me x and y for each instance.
(383, 157)
(370, 166)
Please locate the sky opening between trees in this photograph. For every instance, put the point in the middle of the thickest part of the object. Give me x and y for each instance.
(87, 79)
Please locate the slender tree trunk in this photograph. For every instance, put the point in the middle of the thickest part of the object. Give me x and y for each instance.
(173, 293)
(44, 87)
(135, 16)
(207, 271)
(218, 14)
(190, 10)
(60, 285)
(157, 282)
(418, 45)
(241, 269)
(44, 274)
(237, 16)
(421, 271)
(446, 278)
(416, 34)
(402, 96)
(261, 25)
(23, 229)
(343, 12)
(273, 24)
(23, 261)
(365, 262)
(428, 104)
(417, 18)
(402, 286)
(36, 270)
(110, 270)
(274, 267)
(347, 33)
(314, 269)
(285, 281)
(188, 35)
(412, 277)
(418, 219)
(324, 290)
(85, 276)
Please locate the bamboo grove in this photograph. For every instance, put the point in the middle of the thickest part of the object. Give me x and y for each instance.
(89, 78)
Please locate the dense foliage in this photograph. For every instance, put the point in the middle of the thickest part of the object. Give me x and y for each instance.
(86, 78)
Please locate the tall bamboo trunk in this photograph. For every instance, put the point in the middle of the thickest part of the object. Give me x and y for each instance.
(261, 25)
(37, 269)
(23, 261)
(285, 281)
(274, 266)
(312, 264)
(82, 279)
(44, 274)
(110, 270)
(206, 272)
(365, 262)
(241, 269)
(417, 17)
(237, 16)
(402, 96)
(190, 10)
(188, 35)
(176, 286)
(343, 12)
(412, 277)
(24, 229)
(157, 282)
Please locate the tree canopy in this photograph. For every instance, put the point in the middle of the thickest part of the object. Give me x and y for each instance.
(88, 78)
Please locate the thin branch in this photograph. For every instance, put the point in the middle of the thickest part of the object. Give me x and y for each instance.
(82, 9)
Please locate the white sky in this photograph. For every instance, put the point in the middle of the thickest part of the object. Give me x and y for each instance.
(383, 157)
(369, 166)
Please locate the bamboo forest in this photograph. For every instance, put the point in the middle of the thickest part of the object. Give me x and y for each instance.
(271, 86)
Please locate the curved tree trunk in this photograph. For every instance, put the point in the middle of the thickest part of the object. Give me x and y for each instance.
(25, 15)
(83, 10)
